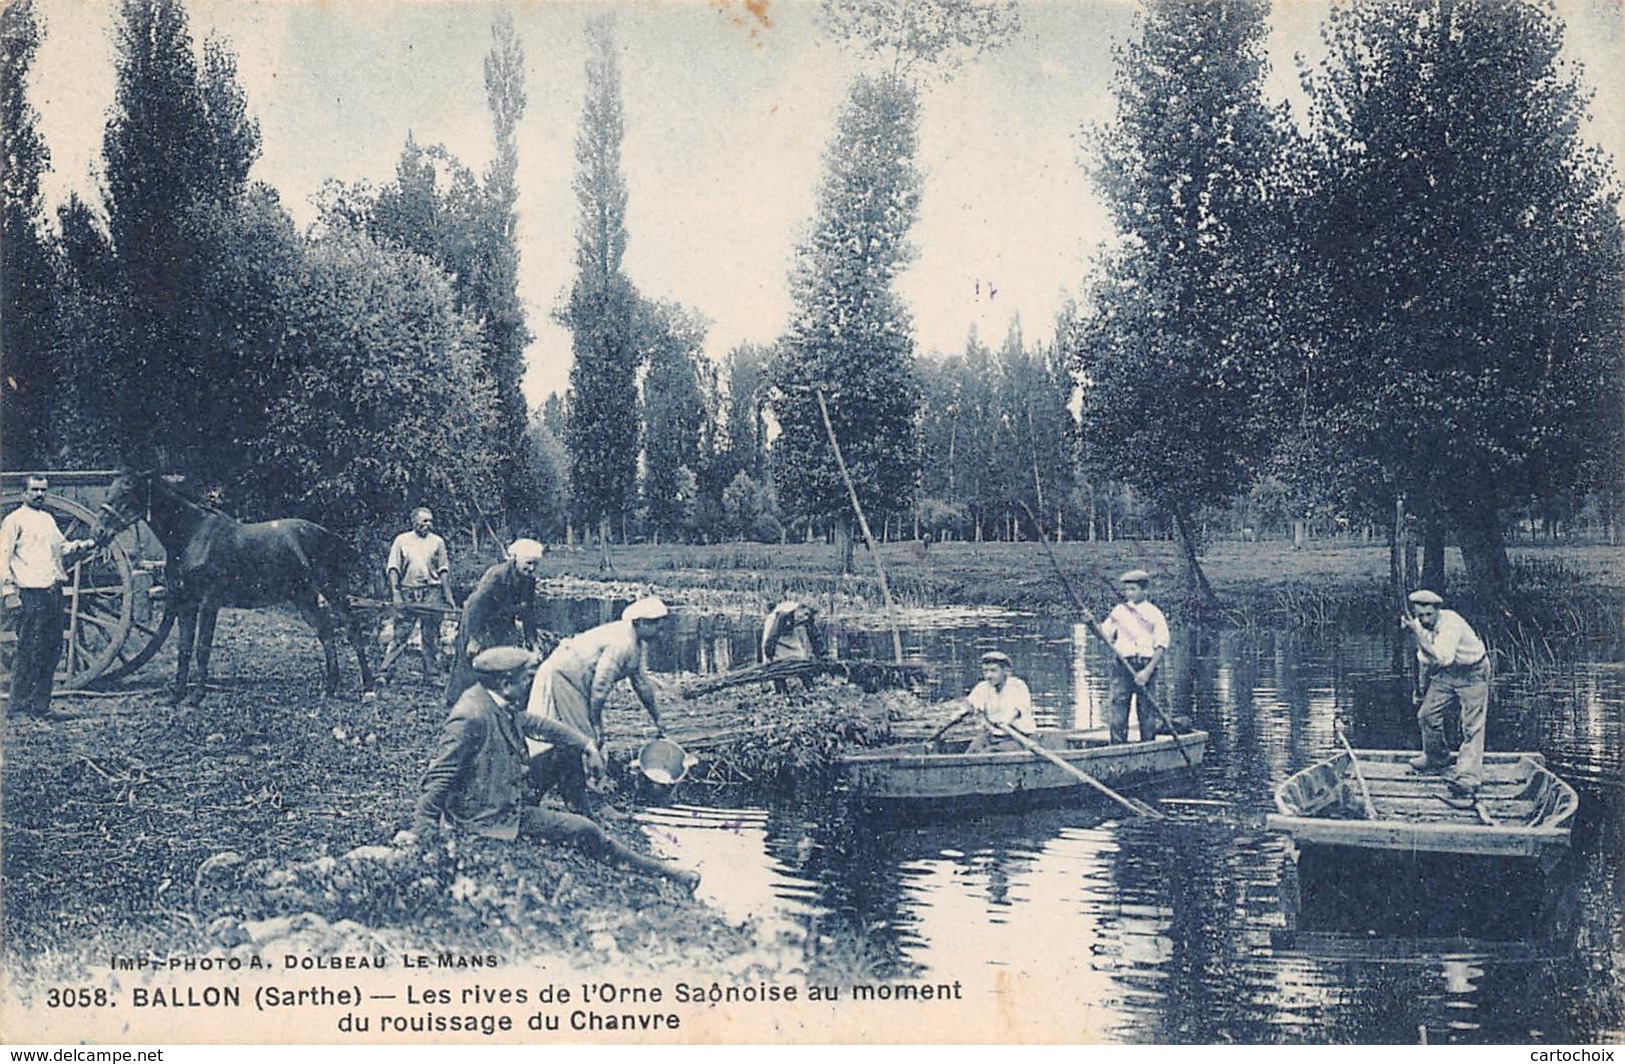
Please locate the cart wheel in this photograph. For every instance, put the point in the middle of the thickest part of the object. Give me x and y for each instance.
(100, 600)
(144, 641)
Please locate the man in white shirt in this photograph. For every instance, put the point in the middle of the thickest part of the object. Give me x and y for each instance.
(1139, 633)
(1003, 700)
(33, 560)
(1454, 676)
(419, 572)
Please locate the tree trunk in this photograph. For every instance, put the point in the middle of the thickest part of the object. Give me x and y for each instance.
(605, 563)
(1484, 551)
(1433, 553)
(844, 544)
(1195, 578)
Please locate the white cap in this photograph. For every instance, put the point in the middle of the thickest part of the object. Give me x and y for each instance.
(524, 550)
(645, 609)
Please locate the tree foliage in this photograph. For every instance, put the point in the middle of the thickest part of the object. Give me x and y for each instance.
(601, 311)
(850, 334)
(940, 34)
(177, 147)
(26, 268)
(997, 433)
(523, 481)
(388, 402)
(1177, 356)
(679, 417)
(1469, 341)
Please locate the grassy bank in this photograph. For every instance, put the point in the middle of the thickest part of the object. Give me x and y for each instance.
(1020, 576)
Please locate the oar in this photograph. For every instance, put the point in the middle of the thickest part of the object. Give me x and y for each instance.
(1094, 626)
(955, 719)
(1133, 805)
(1359, 774)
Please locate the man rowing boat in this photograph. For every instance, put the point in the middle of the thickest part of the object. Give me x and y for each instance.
(1004, 702)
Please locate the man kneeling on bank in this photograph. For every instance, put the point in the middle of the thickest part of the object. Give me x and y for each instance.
(476, 779)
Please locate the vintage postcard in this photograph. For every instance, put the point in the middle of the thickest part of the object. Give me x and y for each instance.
(812, 521)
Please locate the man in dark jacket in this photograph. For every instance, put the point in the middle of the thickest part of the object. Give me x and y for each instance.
(476, 780)
(500, 611)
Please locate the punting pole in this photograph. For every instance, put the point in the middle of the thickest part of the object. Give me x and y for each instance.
(1359, 774)
(1094, 626)
(863, 524)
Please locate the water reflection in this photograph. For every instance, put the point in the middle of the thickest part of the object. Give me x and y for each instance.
(1196, 930)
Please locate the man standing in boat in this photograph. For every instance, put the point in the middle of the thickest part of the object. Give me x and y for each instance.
(1004, 702)
(1139, 634)
(1455, 677)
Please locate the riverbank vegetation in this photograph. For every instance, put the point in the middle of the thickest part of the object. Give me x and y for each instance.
(1439, 204)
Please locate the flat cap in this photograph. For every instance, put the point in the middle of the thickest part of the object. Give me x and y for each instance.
(645, 609)
(1135, 576)
(996, 657)
(522, 550)
(501, 661)
(1424, 597)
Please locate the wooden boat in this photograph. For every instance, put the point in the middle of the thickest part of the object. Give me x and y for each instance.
(1522, 810)
(945, 772)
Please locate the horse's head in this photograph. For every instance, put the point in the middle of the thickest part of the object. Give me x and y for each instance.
(129, 499)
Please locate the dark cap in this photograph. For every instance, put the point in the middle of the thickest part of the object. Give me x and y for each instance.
(501, 662)
(996, 657)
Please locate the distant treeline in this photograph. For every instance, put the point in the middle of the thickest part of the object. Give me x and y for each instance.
(1399, 313)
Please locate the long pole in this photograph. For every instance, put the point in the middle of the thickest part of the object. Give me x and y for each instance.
(1359, 774)
(1100, 633)
(1133, 805)
(863, 523)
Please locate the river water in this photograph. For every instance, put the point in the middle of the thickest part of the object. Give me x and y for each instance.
(1193, 930)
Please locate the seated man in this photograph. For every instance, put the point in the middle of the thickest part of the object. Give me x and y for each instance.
(475, 781)
(1003, 701)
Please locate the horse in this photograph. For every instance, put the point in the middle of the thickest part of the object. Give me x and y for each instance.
(215, 560)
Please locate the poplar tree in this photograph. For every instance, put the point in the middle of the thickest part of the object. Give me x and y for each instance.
(601, 428)
(26, 269)
(1177, 356)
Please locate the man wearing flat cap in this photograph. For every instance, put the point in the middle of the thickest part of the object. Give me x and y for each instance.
(575, 681)
(1454, 677)
(500, 611)
(1004, 702)
(1139, 633)
(476, 781)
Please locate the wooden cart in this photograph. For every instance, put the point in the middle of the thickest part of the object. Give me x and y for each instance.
(116, 616)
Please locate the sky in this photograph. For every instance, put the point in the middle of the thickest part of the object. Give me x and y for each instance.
(728, 110)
